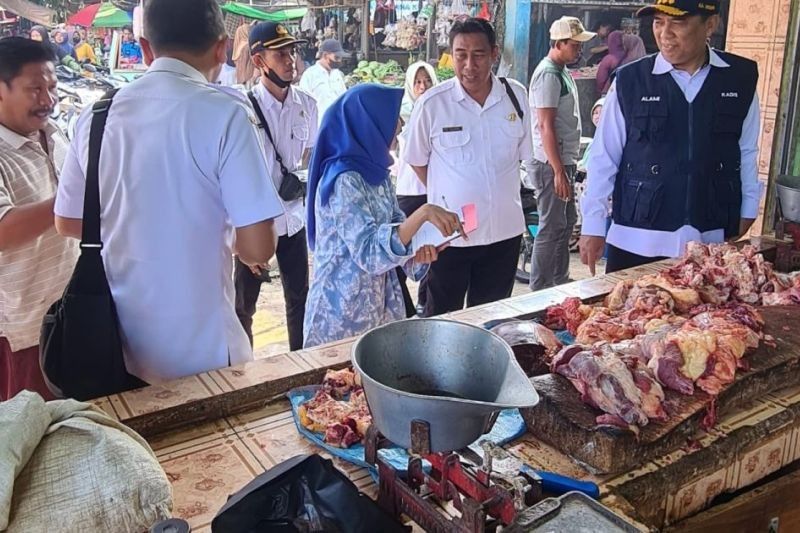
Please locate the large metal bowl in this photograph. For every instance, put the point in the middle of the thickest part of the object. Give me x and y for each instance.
(452, 375)
(788, 188)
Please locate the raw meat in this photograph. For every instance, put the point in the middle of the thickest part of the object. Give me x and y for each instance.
(339, 383)
(604, 382)
(344, 422)
(602, 325)
(684, 297)
(567, 315)
(786, 297)
(630, 353)
(665, 360)
(342, 434)
(689, 326)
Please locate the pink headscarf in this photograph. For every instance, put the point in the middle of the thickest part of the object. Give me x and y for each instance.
(610, 62)
(615, 46)
(634, 48)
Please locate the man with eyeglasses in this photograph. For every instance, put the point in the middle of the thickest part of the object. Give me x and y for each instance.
(556, 123)
(288, 135)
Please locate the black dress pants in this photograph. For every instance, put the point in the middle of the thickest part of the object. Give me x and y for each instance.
(482, 274)
(618, 259)
(409, 204)
(292, 255)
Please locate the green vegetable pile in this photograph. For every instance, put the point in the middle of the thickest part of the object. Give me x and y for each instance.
(389, 73)
(445, 74)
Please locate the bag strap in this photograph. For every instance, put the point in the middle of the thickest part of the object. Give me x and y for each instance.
(513, 97)
(90, 234)
(265, 126)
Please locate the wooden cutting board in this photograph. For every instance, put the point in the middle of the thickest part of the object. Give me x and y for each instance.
(564, 421)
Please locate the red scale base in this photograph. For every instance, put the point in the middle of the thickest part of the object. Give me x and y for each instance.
(483, 504)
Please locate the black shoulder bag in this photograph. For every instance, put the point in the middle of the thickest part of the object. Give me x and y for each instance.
(527, 196)
(291, 187)
(80, 349)
(513, 97)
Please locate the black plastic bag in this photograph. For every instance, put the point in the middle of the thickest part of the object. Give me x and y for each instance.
(303, 494)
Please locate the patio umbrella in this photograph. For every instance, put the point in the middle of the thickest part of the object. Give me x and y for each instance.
(104, 15)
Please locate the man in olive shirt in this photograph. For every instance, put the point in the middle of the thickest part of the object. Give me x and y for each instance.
(556, 123)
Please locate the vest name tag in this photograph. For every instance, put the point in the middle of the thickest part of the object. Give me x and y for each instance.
(729, 95)
(651, 98)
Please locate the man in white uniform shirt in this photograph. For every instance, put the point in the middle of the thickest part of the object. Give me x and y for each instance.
(291, 120)
(466, 141)
(676, 146)
(323, 80)
(181, 170)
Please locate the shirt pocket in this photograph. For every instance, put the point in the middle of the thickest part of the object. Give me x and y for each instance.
(453, 146)
(505, 143)
(728, 121)
(641, 201)
(300, 132)
(650, 121)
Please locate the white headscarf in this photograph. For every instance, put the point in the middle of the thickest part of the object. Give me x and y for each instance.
(409, 98)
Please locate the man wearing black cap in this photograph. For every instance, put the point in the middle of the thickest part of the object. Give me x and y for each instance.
(324, 81)
(288, 123)
(676, 147)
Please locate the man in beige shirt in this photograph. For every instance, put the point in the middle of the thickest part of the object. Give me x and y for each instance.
(35, 262)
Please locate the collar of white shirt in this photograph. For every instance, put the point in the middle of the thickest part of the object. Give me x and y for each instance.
(17, 141)
(662, 66)
(176, 66)
(495, 95)
(268, 100)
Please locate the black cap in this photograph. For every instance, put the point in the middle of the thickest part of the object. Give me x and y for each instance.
(331, 46)
(681, 8)
(270, 36)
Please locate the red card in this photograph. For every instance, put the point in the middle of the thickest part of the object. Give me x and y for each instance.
(470, 221)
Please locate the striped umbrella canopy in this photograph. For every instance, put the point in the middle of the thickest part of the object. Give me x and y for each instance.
(103, 15)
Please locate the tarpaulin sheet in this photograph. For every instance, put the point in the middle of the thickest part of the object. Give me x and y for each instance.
(33, 12)
(254, 13)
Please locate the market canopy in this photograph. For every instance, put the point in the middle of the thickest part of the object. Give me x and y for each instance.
(28, 10)
(105, 15)
(254, 13)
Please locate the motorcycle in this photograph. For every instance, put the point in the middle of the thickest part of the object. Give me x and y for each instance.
(76, 90)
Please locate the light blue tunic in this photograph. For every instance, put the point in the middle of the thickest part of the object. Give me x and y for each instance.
(355, 287)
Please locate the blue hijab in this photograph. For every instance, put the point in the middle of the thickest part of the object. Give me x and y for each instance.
(355, 135)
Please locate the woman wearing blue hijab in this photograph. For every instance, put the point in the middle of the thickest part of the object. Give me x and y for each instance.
(355, 227)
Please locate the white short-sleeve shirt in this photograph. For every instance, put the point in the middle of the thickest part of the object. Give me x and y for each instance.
(473, 154)
(324, 85)
(181, 166)
(293, 125)
(408, 184)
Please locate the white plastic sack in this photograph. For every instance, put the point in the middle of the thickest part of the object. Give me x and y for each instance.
(66, 466)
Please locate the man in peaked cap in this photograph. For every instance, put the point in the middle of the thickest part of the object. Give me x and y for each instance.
(676, 147)
(287, 118)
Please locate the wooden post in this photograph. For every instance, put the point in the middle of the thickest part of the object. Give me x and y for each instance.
(786, 141)
(516, 45)
(365, 21)
(431, 50)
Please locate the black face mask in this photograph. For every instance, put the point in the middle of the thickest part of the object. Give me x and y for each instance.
(274, 78)
(76, 40)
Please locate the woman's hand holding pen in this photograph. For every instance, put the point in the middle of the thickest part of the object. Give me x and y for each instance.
(445, 221)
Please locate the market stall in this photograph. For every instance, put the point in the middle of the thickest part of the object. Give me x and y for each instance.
(214, 432)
